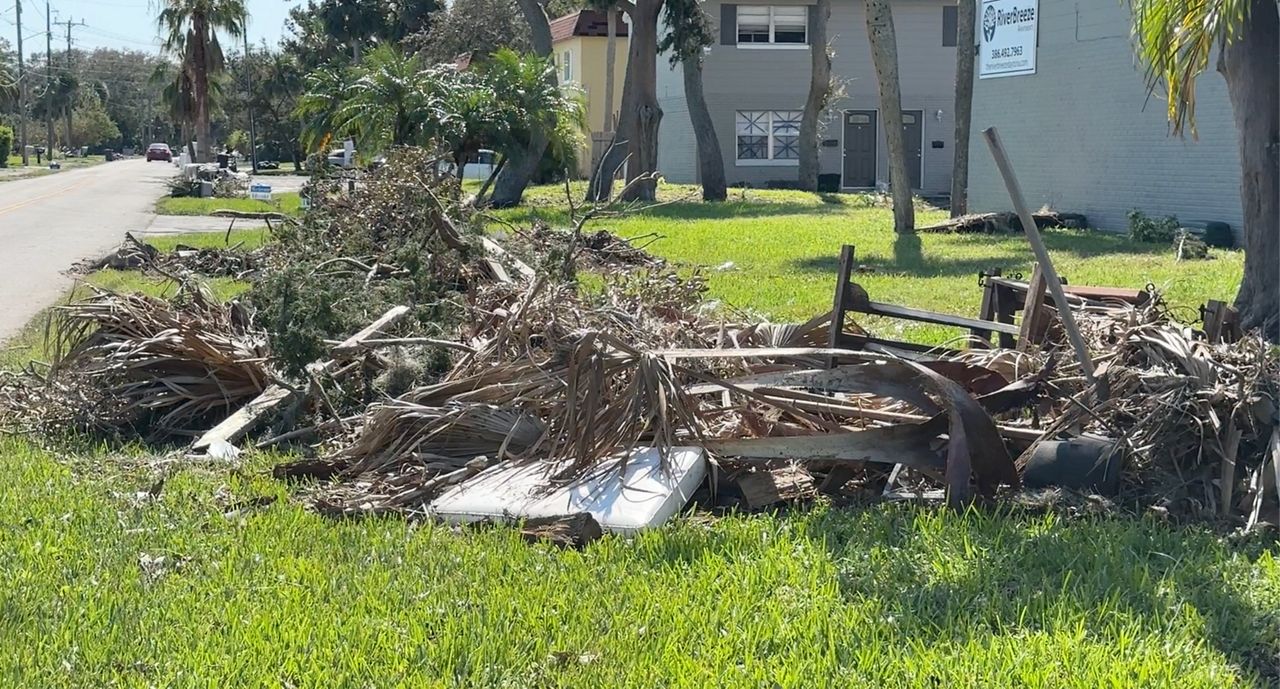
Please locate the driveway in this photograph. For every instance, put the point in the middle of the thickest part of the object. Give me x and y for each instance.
(48, 223)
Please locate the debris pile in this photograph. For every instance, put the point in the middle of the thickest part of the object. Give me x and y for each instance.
(416, 354)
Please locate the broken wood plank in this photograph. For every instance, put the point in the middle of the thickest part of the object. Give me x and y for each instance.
(352, 344)
(235, 427)
(764, 487)
(878, 308)
(909, 444)
(495, 250)
(1032, 310)
(247, 215)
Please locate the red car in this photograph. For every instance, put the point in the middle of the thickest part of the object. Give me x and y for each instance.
(159, 152)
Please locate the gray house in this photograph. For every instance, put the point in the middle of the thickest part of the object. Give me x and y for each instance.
(756, 81)
(1080, 128)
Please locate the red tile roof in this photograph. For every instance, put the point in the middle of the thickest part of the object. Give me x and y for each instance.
(585, 23)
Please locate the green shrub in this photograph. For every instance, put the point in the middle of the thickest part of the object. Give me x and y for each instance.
(1156, 230)
(6, 144)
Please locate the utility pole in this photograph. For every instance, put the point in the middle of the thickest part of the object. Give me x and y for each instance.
(48, 79)
(70, 106)
(22, 92)
(248, 78)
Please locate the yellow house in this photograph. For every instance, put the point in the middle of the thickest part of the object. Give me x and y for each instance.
(578, 42)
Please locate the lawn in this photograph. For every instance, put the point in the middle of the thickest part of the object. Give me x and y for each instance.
(16, 171)
(784, 248)
(135, 567)
(289, 203)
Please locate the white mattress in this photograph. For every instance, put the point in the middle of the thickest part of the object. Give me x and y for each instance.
(643, 496)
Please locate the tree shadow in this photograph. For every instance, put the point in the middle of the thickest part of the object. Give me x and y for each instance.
(1097, 568)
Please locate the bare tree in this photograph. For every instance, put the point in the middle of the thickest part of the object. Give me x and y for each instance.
(508, 188)
(966, 16)
(884, 52)
(635, 142)
(691, 32)
(819, 95)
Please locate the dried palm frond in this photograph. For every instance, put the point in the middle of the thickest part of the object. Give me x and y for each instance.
(169, 365)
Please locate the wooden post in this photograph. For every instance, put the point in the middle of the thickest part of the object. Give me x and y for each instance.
(841, 302)
(1052, 281)
(1032, 309)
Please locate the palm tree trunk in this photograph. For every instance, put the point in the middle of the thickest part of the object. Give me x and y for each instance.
(1251, 65)
(966, 16)
(200, 86)
(508, 189)
(819, 93)
(710, 159)
(884, 53)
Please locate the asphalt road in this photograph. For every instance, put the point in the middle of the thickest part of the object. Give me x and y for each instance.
(48, 223)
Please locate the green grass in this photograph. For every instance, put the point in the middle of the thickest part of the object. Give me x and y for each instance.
(288, 203)
(34, 170)
(785, 246)
(886, 596)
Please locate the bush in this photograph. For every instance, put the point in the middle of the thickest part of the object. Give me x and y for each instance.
(1156, 230)
(319, 285)
(6, 144)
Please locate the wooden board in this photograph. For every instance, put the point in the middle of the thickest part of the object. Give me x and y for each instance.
(235, 427)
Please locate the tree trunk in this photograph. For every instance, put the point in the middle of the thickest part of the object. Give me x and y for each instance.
(610, 66)
(200, 86)
(819, 93)
(1251, 65)
(636, 140)
(508, 189)
(966, 16)
(884, 52)
(710, 159)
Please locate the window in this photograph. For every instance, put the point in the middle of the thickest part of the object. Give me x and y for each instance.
(950, 24)
(566, 66)
(777, 25)
(768, 135)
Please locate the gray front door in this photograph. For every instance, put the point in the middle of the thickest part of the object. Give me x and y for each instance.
(859, 148)
(913, 137)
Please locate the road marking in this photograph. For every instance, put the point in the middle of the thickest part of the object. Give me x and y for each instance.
(28, 202)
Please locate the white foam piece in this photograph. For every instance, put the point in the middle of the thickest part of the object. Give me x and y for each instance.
(643, 496)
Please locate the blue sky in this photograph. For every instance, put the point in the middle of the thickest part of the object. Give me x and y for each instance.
(121, 23)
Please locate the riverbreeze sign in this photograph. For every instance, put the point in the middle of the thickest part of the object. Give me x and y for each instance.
(1008, 38)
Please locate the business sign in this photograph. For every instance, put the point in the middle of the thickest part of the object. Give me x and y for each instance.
(261, 192)
(1008, 38)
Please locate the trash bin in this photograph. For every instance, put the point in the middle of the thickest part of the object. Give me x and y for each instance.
(223, 160)
(829, 183)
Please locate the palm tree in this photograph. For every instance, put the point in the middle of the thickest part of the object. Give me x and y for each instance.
(190, 31)
(1176, 39)
(690, 33)
(383, 102)
(884, 54)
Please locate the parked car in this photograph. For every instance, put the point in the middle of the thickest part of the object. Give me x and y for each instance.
(480, 165)
(338, 158)
(159, 151)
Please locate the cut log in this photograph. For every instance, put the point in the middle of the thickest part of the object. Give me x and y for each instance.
(571, 531)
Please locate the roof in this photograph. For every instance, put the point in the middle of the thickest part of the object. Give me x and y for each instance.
(585, 23)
